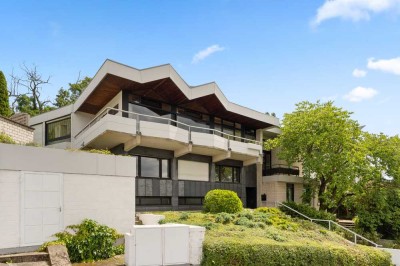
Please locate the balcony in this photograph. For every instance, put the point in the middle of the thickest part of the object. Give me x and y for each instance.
(114, 126)
(281, 169)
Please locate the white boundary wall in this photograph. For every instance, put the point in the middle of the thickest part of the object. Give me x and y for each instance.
(95, 186)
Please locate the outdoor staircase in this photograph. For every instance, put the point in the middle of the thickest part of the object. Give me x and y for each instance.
(332, 225)
(25, 259)
(349, 224)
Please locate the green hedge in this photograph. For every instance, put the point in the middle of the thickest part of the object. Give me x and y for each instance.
(306, 210)
(233, 251)
(219, 200)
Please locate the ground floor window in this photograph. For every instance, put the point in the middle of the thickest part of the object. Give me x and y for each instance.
(191, 200)
(153, 167)
(153, 201)
(289, 192)
(227, 174)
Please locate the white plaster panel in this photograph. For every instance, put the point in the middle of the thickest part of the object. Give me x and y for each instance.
(190, 170)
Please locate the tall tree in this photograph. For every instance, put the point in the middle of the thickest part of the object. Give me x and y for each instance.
(65, 97)
(4, 99)
(31, 101)
(327, 142)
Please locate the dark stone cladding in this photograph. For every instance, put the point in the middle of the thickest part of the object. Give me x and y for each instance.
(174, 188)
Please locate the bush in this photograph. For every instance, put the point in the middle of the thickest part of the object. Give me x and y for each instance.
(235, 251)
(224, 218)
(306, 210)
(89, 241)
(219, 200)
(4, 138)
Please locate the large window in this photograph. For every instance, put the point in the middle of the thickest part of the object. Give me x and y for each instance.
(149, 107)
(192, 118)
(58, 131)
(227, 174)
(153, 201)
(154, 167)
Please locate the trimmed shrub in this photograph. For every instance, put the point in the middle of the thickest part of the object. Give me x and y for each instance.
(235, 251)
(88, 241)
(306, 210)
(224, 218)
(219, 200)
(4, 138)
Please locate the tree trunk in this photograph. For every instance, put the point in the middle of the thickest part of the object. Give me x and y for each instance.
(322, 189)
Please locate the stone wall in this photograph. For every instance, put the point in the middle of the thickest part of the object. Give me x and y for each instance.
(18, 132)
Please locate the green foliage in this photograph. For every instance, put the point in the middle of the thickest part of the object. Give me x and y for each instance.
(4, 138)
(224, 218)
(306, 210)
(100, 151)
(69, 96)
(4, 101)
(184, 216)
(89, 241)
(219, 200)
(270, 237)
(327, 142)
(235, 251)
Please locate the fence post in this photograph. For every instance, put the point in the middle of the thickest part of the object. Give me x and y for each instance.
(329, 225)
(355, 239)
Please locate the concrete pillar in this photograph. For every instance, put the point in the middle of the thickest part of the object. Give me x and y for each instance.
(175, 183)
(259, 137)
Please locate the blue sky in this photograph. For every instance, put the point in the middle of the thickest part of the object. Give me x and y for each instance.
(266, 55)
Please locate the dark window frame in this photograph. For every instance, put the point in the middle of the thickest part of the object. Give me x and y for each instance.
(235, 169)
(289, 186)
(160, 170)
(164, 201)
(59, 139)
(182, 201)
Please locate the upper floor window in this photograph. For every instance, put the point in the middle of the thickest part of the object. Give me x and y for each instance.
(227, 174)
(58, 131)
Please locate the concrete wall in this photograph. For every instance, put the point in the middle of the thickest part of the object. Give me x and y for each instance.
(276, 191)
(18, 132)
(95, 186)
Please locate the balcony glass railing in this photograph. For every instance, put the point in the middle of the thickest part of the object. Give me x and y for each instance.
(281, 169)
(162, 120)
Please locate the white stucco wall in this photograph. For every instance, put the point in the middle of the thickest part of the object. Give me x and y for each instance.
(95, 186)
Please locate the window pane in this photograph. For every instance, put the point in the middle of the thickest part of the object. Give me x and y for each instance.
(150, 167)
(216, 174)
(226, 174)
(236, 175)
(165, 168)
(59, 130)
(289, 192)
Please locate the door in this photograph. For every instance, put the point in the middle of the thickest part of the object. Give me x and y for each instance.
(41, 207)
(251, 197)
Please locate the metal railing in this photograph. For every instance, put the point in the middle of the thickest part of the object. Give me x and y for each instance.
(162, 120)
(281, 169)
(330, 225)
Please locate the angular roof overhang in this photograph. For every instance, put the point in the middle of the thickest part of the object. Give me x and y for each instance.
(164, 83)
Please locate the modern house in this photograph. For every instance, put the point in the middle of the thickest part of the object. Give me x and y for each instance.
(186, 139)
(17, 128)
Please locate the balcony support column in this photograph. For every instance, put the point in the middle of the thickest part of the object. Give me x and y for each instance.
(253, 161)
(222, 156)
(185, 150)
(132, 143)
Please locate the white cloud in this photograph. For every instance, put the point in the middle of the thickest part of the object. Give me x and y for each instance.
(201, 55)
(358, 73)
(352, 9)
(385, 65)
(360, 93)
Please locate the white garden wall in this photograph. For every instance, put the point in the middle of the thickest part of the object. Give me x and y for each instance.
(95, 186)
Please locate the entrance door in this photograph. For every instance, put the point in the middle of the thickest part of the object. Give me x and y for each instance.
(41, 207)
(251, 197)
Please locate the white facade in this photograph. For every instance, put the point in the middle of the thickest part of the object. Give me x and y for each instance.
(44, 190)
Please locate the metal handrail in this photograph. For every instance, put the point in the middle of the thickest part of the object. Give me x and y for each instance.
(169, 120)
(285, 166)
(330, 222)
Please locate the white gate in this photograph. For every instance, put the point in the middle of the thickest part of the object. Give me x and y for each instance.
(41, 207)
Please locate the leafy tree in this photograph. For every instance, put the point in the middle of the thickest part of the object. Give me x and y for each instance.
(327, 142)
(65, 97)
(4, 104)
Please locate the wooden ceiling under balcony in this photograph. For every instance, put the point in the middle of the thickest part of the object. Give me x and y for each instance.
(164, 90)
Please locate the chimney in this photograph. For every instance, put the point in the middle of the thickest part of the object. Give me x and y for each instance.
(22, 118)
